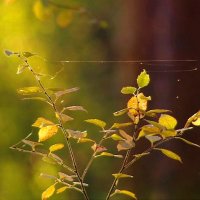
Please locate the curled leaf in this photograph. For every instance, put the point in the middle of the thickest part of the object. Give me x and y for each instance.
(75, 108)
(83, 140)
(97, 148)
(31, 143)
(188, 142)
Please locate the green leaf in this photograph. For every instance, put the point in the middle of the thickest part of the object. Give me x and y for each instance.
(128, 90)
(167, 121)
(153, 113)
(48, 192)
(170, 154)
(56, 147)
(143, 79)
(188, 142)
(120, 175)
(37, 98)
(125, 192)
(120, 112)
(156, 124)
(121, 125)
(8, 52)
(96, 122)
(116, 137)
(29, 90)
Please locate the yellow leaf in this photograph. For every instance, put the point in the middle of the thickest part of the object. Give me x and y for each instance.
(56, 147)
(47, 132)
(29, 90)
(153, 113)
(170, 154)
(96, 122)
(196, 122)
(120, 175)
(120, 125)
(83, 140)
(167, 121)
(62, 189)
(42, 122)
(64, 18)
(143, 79)
(125, 145)
(48, 192)
(132, 105)
(169, 133)
(143, 100)
(125, 192)
(116, 137)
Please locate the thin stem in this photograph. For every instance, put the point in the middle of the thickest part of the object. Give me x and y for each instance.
(61, 126)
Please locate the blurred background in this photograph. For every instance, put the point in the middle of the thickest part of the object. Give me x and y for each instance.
(100, 30)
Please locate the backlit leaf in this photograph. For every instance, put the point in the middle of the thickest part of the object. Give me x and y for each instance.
(47, 132)
(76, 134)
(64, 18)
(42, 122)
(96, 122)
(169, 133)
(170, 154)
(148, 130)
(64, 176)
(192, 119)
(61, 93)
(56, 147)
(29, 90)
(125, 192)
(83, 140)
(116, 137)
(188, 142)
(120, 175)
(156, 124)
(153, 113)
(128, 90)
(143, 79)
(120, 112)
(21, 68)
(121, 125)
(196, 122)
(167, 121)
(125, 145)
(48, 192)
(98, 148)
(62, 189)
(109, 155)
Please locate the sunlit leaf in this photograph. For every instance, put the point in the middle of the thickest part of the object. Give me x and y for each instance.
(125, 192)
(133, 105)
(47, 132)
(21, 68)
(109, 155)
(125, 145)
(120, 112)
(167, 121)
(153, 113)
(192, 119)
(48, 192)
(62, 189)
(96, 122)
(98, 148)
(76, 134)
(156, 124)
(61, 93)
(29, 90)
(42, 122)
(56, 147)
(143, 79)
(125, 135)
(83, 140)
(188, 142)
(143, 101)
(169, 133)
(196, 122)
(116, 137)
(120, 175)
(121, 125)
(64, 176)
(8, 52)
(65, 18)
(128, 90)
(170, 154)
(28, 54)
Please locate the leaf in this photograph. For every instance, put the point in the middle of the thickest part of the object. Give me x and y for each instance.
(28, 54)
(97, 148)
(116, 137)
(75, 108)
(56, 147)
(125, 192)
(96, 122)
(8, 52)
(76, 134)
(120, 175)
(167, 121)
(153, 138)
(62, 189)
(143, 79)
(196, 122)
(153, 113)
(188, 142)
(42, 122)
(143, 101)
(64, 176)
(120, 112)
(29, 90)
(169, 133)
(49, 160)
(37, 98)
(64, 117)
(170, 154)
(31, 143)
(192, 119)
(47, 132)
(64, 18)
(83, 140)
(48, 192)
(109, 155)
(21, 68)
(140, 155)
(125, 145)
(156, 124)
(61, 93)
(125, 135)
(128, 90)
(121, 125)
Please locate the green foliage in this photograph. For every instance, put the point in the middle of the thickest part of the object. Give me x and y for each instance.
(157, 131)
